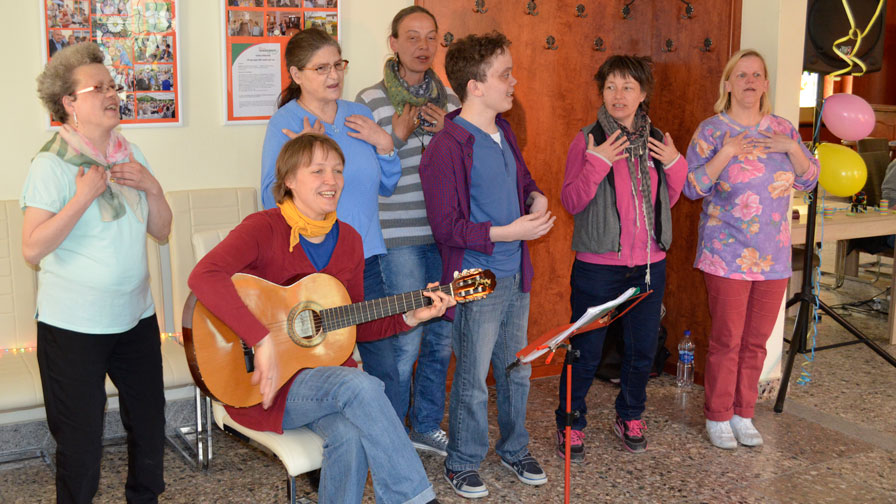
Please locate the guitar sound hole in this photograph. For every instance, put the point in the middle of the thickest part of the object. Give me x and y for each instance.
(307, 324)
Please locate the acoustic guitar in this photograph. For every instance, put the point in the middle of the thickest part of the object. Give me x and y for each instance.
(311, 323)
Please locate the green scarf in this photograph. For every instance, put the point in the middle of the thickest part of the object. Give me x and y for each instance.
(399, 94)
(72, 148)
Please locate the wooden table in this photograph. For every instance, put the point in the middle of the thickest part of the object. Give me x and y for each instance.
(844, 227)
(852, 144)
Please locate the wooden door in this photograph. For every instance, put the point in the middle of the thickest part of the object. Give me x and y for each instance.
(556, 96)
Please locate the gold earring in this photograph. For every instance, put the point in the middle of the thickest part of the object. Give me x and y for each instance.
(75, 115)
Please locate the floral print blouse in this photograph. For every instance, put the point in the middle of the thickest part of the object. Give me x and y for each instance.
(745, 222)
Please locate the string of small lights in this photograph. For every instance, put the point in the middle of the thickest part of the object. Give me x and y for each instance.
(176, 336)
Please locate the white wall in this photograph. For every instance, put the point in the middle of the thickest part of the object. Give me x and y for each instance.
(203, 152)
(777, 28)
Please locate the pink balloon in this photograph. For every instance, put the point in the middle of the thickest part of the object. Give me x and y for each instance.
(848, 116)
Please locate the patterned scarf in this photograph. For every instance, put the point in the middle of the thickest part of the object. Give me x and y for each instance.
(431, 90)
(302, 225)
(637, 149)
(72, 147)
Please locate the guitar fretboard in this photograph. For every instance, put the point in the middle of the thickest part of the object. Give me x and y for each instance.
(339, 317)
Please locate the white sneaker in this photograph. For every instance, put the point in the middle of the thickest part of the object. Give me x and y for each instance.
(744, 432)
(720, 435)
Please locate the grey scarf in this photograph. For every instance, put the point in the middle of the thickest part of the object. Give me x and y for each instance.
(637, 149)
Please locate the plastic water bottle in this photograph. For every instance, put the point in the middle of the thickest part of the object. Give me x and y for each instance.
(685, 376)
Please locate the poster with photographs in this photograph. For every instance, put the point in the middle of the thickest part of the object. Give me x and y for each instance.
(255, 33)
(139, 43)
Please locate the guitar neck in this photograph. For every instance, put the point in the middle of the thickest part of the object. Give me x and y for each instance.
(340, 317)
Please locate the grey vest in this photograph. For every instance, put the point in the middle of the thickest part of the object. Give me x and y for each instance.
(597, 227)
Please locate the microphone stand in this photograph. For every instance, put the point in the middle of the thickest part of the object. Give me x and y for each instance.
(549, 343)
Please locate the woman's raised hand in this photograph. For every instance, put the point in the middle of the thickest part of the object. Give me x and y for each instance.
(613, 149)
(370, 132)
(739, 145)
(776, 142)
(90, 182)
(133, 174)
(403, 125)
(318, 127)
(665, 151)
(436, 115)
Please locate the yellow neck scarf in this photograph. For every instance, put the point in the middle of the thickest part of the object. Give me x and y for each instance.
(302, 225)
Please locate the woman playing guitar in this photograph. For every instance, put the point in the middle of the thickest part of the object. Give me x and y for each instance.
(342, 404)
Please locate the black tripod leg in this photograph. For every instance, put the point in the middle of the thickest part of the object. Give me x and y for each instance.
(800, 331)
(793, 300)
(857, 333)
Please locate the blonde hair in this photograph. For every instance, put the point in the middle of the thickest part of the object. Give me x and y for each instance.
(724, 101)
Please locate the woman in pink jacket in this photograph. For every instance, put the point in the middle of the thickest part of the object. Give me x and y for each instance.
(622, 178)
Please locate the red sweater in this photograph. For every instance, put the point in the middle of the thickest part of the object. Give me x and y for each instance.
(260, 246)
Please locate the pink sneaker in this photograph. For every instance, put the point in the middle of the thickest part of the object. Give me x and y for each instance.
(632, 434)
(576, 445)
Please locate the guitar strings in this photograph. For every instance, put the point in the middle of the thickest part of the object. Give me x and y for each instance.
(380, 308)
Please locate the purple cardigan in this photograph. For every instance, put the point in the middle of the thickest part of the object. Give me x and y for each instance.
(445, 175)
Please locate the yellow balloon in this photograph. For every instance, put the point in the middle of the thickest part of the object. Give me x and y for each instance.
(843, 171)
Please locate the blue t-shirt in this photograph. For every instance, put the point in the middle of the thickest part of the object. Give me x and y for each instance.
(493, 198)
(96, 281)
(367, 174)
(319, 253)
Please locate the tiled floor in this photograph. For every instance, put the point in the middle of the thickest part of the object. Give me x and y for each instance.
(835, 442)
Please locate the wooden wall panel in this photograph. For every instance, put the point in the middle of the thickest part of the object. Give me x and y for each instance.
(556, 96)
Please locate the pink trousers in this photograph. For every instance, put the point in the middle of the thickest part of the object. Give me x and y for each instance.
(743, 315)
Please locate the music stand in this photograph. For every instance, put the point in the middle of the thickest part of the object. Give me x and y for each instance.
(593, 318)
(808, 299)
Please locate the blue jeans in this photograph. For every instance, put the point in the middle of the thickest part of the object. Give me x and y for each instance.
(376, 355)
(595, 284)
(391, 359)
(489, 331)
(407, 269)
(347, 408)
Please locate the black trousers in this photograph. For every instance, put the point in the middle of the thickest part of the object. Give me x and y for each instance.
(73, 367)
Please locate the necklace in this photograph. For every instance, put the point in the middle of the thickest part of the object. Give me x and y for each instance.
(422, 137)
(315, 113)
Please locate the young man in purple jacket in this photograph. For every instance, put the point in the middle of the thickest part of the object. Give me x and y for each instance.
(483, 206)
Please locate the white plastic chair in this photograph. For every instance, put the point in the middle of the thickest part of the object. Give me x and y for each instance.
(300, 450)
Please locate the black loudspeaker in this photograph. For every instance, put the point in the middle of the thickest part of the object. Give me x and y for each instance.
(826, 21)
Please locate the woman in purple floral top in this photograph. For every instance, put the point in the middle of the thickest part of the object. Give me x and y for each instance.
(743, 162)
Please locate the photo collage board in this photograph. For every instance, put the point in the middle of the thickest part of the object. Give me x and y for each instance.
(255, 37)
(139, 41)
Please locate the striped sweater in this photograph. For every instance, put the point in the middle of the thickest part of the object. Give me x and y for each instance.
(402, 215)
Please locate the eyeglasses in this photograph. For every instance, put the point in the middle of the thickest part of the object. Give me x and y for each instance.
(325, 68)
(101, 89)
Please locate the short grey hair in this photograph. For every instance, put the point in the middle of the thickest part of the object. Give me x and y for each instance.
(57, 79)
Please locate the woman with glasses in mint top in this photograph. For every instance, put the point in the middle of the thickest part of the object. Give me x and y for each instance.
(89, 200)
(311, 103)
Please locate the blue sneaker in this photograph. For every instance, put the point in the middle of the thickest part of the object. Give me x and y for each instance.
(466, 483)
(527, 470)
(434, 441)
